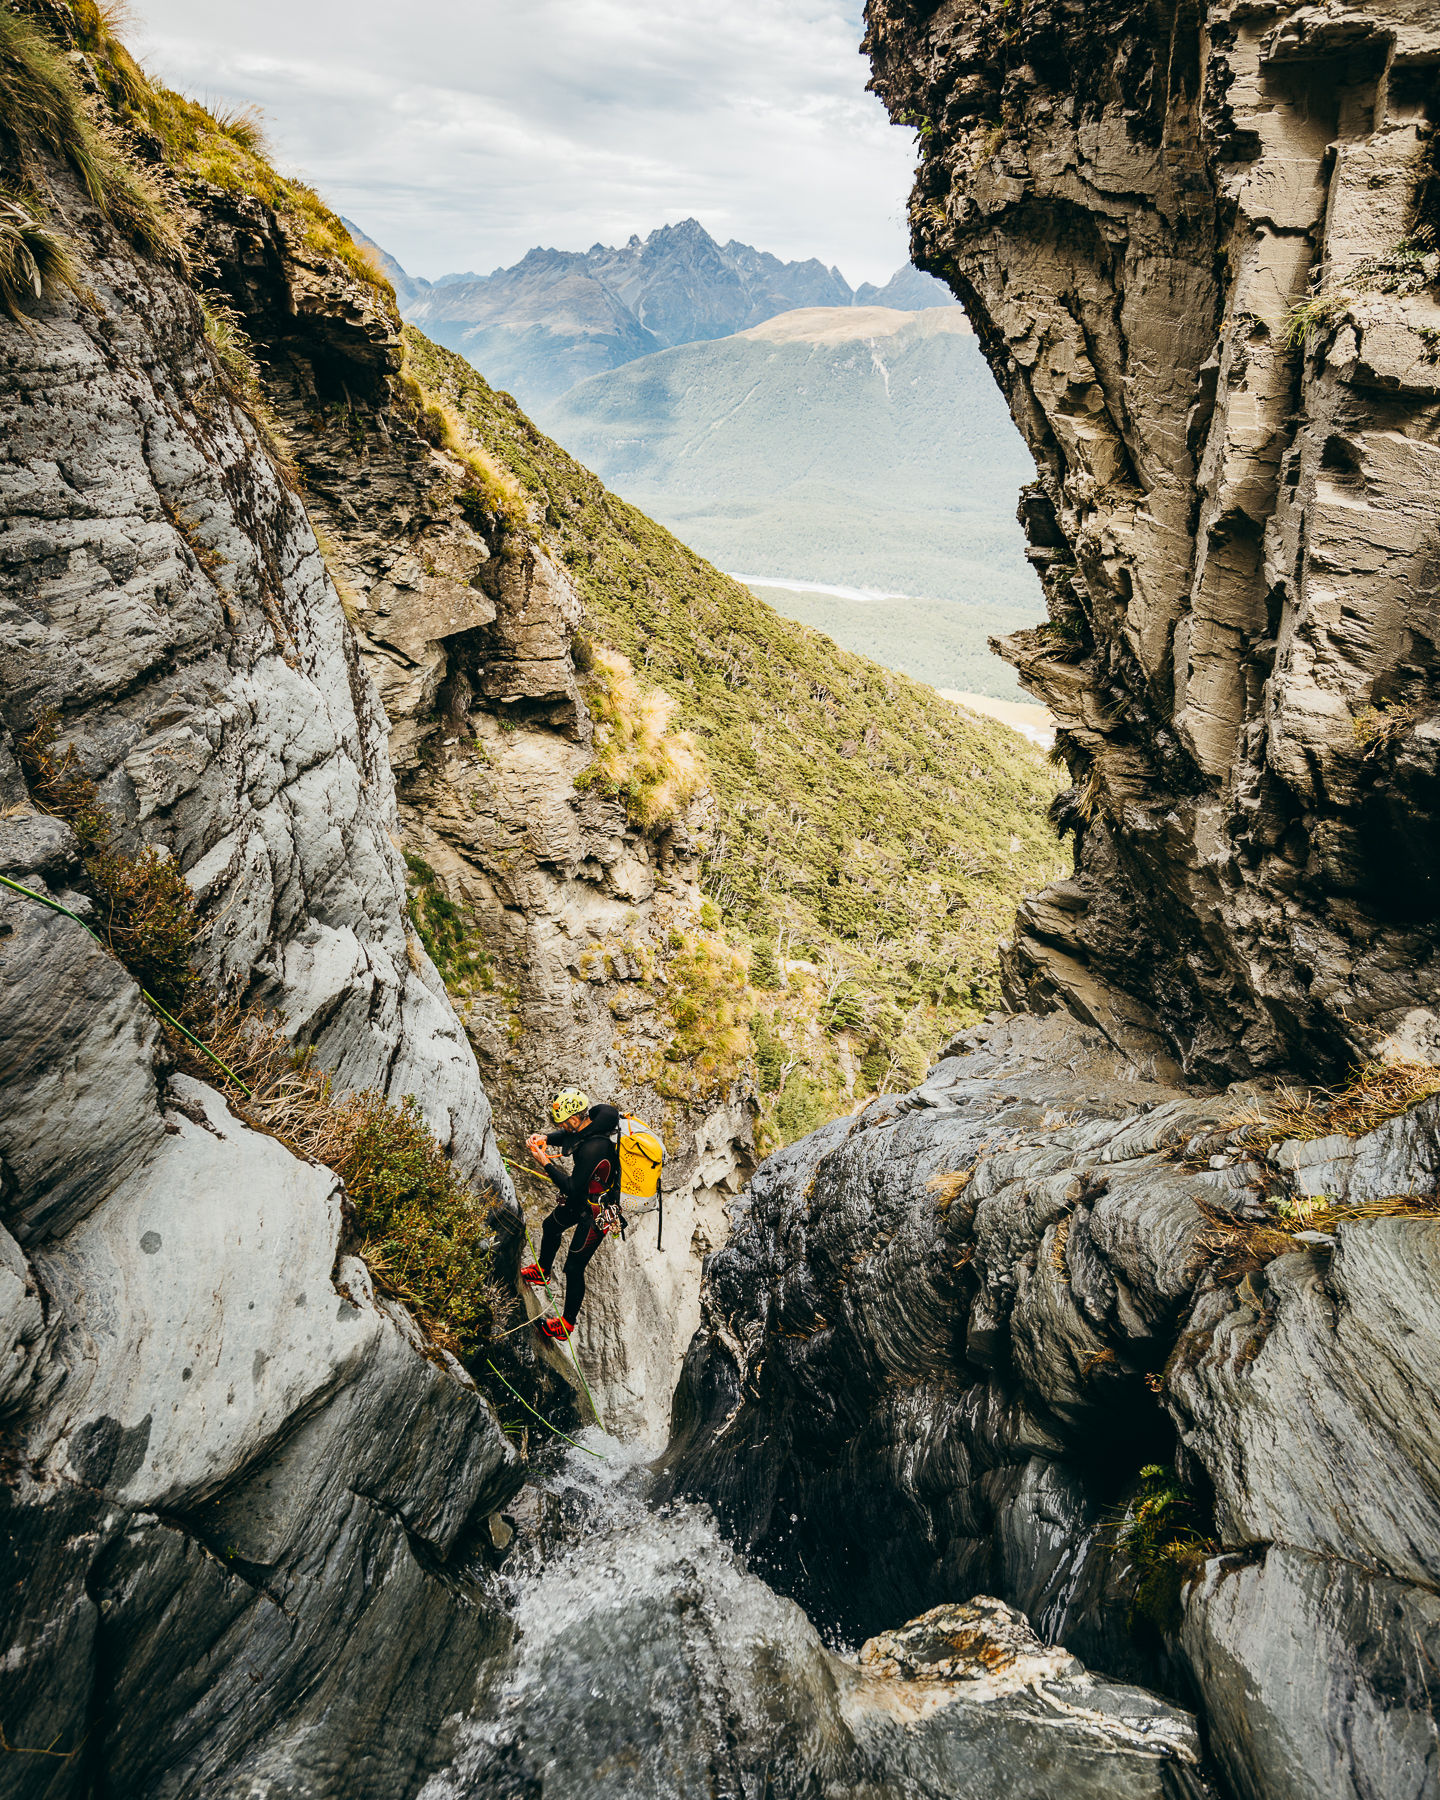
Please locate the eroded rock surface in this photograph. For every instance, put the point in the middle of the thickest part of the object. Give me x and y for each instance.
(945, 1337)
(649, 1661)
(1235, 515)
(565, 911)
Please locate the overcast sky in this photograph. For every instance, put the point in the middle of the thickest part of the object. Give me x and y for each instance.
(459, 133)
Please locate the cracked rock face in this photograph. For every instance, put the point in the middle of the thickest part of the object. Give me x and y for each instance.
(945, 1337)
(567, 907)
(162, 589)
(239, 1491)
(1235, 516)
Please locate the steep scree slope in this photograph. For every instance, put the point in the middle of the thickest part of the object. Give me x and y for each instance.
(1236, 511)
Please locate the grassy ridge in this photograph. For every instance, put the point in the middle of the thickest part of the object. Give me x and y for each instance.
(864, 825)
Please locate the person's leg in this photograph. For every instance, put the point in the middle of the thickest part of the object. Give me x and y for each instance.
(586, 1241)
(557, 1223)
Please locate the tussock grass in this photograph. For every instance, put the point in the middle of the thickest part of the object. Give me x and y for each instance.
(1235, 1247)
(948, 1185)
(34, 259)
(426, 1238)
(657, 772)
(40, 105)
(1375, 1093)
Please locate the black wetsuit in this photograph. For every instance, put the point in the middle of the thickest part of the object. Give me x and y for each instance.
(582, 1193)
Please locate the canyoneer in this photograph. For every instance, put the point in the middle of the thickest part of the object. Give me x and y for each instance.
(615, 1158)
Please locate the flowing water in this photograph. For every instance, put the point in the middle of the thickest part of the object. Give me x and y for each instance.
(647, 1661)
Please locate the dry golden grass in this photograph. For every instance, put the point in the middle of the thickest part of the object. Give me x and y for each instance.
(1375, 1093)
(947, 1185)
(638, 758)
(1233, 1247)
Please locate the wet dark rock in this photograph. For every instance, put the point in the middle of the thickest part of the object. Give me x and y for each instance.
(946, 1337)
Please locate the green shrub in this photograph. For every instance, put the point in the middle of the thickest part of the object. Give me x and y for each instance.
(1166, 1537)
(764, 968)
(145, 909)
(451, 939)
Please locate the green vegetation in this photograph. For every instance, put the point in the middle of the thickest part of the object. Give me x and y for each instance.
(40, 108)
(871, 841)
(451, 939)
(638, 758)
(886, 462)
(33, 258)
(1407, 269)
(145, 910)
(1166, 1537)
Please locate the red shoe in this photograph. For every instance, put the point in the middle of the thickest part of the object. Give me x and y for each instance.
(532, 1273)
(556, 1328)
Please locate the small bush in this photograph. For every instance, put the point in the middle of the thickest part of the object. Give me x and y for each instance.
(638, 759)
(764, 966)
(146, 911)
(1377, 727)
(1166, 1536)
(451, 940)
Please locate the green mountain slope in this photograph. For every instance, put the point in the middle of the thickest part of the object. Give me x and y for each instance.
(864, 826)
(855, 446)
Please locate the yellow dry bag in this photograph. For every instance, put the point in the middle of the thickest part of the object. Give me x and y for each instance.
(642, 1160)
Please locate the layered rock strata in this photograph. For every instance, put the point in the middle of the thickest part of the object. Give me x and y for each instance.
(945, 1338)
(566, 909)
(1235, 510)
(236, 1484)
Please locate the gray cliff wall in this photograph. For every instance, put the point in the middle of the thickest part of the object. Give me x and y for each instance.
(563, 909)
(1237, 531)
(238, 1489)
(910, 1388)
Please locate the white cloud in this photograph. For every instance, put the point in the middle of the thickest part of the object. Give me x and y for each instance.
(459, 135)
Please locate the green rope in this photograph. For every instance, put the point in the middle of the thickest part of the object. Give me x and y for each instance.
(544, 1421)
(55, 906)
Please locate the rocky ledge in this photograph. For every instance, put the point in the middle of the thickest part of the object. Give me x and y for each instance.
(953, 1343)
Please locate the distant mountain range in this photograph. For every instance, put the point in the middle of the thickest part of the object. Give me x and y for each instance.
(857, 445)
(560, 316)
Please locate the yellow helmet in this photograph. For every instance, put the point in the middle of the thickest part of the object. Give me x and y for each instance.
(567, 1103)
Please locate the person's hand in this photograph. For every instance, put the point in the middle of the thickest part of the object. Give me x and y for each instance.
(535, 1144)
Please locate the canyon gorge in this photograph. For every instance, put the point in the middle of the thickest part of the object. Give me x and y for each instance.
(1058, 1414)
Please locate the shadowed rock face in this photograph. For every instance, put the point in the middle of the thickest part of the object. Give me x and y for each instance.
(1237, 530)
(945, 1338)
